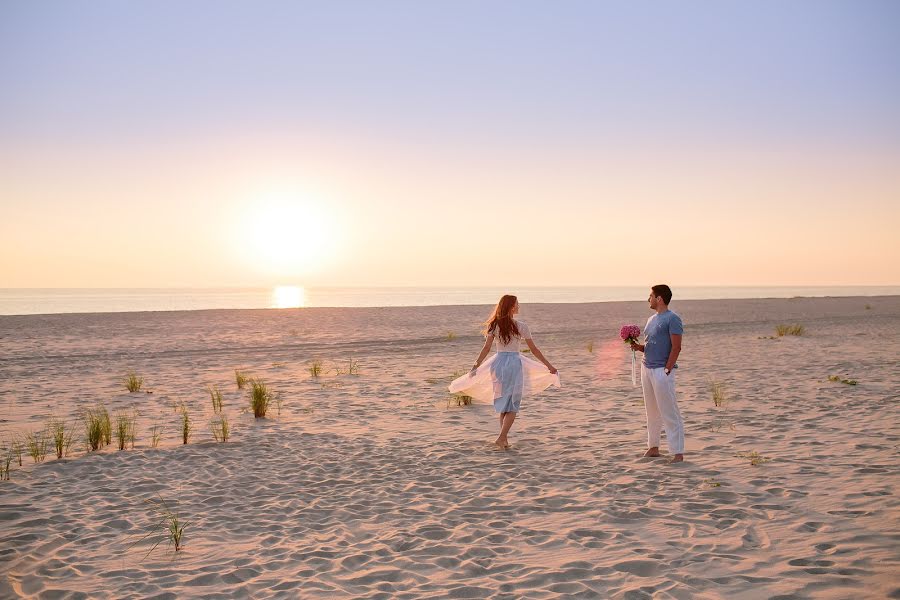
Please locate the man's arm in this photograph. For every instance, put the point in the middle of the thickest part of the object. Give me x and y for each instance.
(676, 350)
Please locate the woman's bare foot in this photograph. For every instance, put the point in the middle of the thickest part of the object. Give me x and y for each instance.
(654, 452)
(502, 443)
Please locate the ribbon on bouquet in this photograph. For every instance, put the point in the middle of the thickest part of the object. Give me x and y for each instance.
(630, 335)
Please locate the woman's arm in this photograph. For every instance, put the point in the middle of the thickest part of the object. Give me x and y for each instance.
(539, 356)
(488, 342)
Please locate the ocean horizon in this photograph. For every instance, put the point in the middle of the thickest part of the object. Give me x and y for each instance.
(31, 301)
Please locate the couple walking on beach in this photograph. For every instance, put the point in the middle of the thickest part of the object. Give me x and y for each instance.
(507, 376)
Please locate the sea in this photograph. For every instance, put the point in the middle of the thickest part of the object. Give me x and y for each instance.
(30, 301)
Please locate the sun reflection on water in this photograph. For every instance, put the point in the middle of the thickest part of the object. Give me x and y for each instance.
(288, 296)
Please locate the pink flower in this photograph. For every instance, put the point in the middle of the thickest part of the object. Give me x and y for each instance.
(630, 333)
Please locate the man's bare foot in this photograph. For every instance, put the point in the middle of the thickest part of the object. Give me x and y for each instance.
(502, 444)
(654, 452)
(677, 458)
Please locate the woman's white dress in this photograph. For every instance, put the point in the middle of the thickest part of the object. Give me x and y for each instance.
(507, 376)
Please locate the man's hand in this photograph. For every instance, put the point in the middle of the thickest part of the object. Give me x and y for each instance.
(637, 347)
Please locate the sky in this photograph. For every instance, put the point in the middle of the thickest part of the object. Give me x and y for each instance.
(347, 143)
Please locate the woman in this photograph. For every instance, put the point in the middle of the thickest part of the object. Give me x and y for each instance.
(507, 375)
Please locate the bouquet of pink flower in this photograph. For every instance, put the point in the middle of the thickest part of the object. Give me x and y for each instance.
(629, 335)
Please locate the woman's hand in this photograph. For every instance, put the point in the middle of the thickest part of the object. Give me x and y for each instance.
(472, 372)
(552, 369)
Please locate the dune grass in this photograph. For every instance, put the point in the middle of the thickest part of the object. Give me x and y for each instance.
(18, 449)
(220, 427)
(260, 398)
(155, 435)
(783, 330)
(125, 429)
(754, 457)
(590, 346)
(839, 379)
(61, 434)
(719, 394)
(38, 443)
(93, 429)
(186, 424)
(216, 397)
(166, 526)
(105, 424)
(315, 367)
(352, 368)
(460, 400)
(133, 382)
(240, 379)
(451, 335)
(6, 458)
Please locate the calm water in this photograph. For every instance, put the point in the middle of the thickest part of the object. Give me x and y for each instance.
(46, 301)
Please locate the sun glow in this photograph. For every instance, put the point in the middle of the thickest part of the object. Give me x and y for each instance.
(288, 296)
(288, 234)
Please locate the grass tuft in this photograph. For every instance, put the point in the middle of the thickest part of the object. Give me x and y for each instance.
(783, 330)
(18, 449)
(93, 428)
(61, 434)
(839, 379)
(719, 396)
(125, 429)
(590, 346)
(315, 368)
(260, 398)
(186, 425)
(155, 435)
(133, 382)
(6, 458)
(460, 400)
(216, 396)
(451, 335)
(166, 526)
(220, 428)
(240, 379)
(38, 444)
(754, 457)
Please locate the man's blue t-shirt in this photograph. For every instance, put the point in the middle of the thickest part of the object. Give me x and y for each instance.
(658, 344)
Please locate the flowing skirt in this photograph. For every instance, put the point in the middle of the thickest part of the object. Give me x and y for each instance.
(504, 379)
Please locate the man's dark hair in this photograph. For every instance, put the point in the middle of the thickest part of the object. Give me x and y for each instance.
(663, 292)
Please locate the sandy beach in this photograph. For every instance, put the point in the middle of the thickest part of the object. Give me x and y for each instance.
(372, 485)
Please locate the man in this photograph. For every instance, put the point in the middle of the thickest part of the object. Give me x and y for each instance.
(661, 347)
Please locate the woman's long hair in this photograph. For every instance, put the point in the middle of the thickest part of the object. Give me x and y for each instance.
(501, 322)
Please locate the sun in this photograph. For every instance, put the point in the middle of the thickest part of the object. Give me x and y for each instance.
(288, 234)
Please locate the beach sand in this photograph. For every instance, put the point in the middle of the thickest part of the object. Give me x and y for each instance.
(371, 486)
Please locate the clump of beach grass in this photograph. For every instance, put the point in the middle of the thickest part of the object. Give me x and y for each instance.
(167, 526)
(133, 382)
(37, 444)
(315, 368)
(260, 398)
(719, 395)
(186, 424)
(105, 424)
(590, 346)
(155, 435)
(220, 427)
(61, 434)
(6, 458)
(451, 335)
(125, 429)
(93, 428)
(459, 400)
(838, 379)
(352, 369)
(240, 379)
(783, 330)
(18, 449)
(754, 457)
(216, 397)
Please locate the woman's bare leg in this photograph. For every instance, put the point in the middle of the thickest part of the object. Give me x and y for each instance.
(506, 421)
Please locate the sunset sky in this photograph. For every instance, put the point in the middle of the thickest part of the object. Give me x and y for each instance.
(153, 144)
